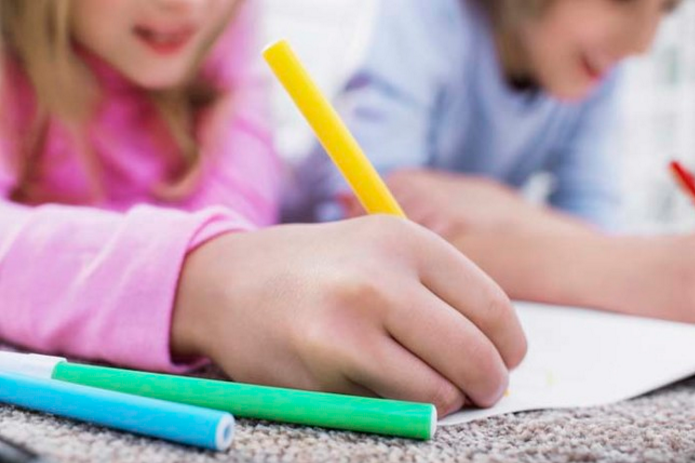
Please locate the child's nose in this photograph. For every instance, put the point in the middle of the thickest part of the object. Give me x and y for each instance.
(179, 5)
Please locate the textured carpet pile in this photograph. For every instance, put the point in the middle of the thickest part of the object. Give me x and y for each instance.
(659, 427)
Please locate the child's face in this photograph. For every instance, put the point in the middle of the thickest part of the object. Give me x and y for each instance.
(575, 43)
(154, 43)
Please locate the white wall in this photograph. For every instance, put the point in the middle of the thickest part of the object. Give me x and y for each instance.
(658, 103)
(329, 36)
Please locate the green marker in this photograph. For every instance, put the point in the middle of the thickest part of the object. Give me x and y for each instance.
(378, 416)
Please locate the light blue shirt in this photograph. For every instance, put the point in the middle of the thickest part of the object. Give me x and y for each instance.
(431, 93)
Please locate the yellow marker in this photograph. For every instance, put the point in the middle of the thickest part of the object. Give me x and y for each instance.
(337, 140)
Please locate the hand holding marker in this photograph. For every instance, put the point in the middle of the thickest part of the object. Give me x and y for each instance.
(404, 419)
(331, 131)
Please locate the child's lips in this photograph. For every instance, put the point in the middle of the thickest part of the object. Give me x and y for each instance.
(165, 41)
(594, 69)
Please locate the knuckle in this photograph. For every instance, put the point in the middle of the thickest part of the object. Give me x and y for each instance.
(357, 289)
(315, 337)
(445, 396)
(385, 232)
(326, 343)
(499, 308)
(390, 224)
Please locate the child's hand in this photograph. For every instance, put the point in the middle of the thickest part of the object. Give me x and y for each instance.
(373, 306)
(454, 204)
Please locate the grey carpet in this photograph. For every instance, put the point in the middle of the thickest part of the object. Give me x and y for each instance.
(659, 427)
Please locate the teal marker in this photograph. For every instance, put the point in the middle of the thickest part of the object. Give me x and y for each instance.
(378, 416)
(185, 424)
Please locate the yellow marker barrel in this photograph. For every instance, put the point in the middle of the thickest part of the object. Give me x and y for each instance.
(331, 131)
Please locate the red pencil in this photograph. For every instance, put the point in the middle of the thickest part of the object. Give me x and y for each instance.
(685, 179)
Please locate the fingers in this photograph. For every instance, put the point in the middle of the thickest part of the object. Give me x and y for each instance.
(464, 287)
(350, 205)
(442, 269)
(420, 199)
(392, 371)
(451, 344)
(411, 195)
(346, 386)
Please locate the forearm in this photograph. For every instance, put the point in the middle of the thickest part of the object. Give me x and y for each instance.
(542, 267)
(95, 284)
(647, 276)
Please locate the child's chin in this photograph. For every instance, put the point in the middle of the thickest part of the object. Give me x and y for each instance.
(573, 93)
(160, 81)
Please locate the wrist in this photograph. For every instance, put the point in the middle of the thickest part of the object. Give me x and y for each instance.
(645, 276)
(184, 340)
(196, 297)
(545, 266)
(656, 278)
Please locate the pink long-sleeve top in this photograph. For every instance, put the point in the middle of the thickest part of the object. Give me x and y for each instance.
(97, 277)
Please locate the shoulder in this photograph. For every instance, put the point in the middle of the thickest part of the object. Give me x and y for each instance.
(421, 37)
(429, 23)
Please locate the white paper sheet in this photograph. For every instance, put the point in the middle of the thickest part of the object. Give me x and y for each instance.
(582, 358)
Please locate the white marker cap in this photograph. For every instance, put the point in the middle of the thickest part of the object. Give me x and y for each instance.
(35, 365)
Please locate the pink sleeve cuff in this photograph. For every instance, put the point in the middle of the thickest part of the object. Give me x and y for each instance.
(99, 285)
(146, 321)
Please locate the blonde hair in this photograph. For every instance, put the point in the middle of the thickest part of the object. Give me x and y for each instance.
(37, 36)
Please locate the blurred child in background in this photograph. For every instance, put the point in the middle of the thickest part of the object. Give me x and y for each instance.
(461, 102)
